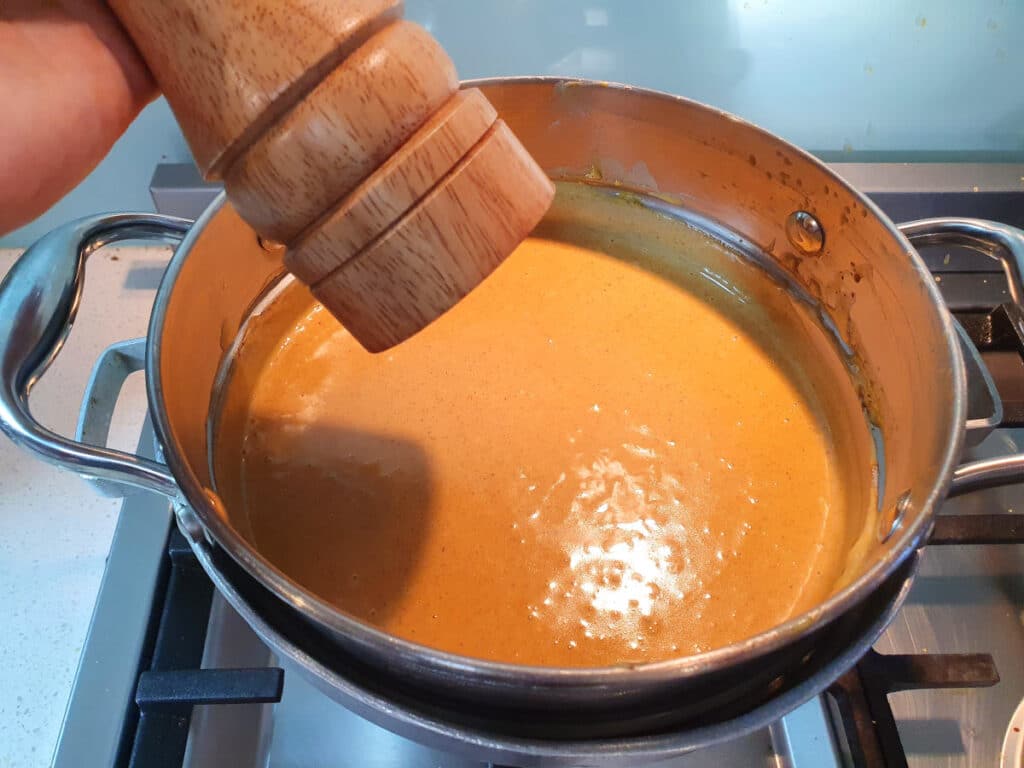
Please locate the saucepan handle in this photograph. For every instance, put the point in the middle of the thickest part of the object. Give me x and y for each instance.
(1005, 244)
(114, 366)
(38, 301)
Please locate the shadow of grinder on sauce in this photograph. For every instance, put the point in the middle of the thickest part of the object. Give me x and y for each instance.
(332, 526)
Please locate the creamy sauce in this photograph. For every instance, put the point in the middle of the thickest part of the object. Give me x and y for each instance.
(593, 459)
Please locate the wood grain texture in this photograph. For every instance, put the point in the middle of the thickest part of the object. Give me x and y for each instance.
(229, 68)
(443, 247)
(341, 131)
(433, 151)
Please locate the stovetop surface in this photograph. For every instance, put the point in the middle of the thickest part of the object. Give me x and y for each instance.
(967, 598)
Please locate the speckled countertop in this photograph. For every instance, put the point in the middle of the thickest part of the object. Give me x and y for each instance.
(54, 530)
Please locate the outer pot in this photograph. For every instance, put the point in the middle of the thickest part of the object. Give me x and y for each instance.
(764, 196)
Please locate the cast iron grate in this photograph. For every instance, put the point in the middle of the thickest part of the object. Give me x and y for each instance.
(171, 680)
(1000, 331)
(861, 696)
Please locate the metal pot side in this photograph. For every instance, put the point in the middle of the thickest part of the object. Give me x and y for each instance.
(761, 192)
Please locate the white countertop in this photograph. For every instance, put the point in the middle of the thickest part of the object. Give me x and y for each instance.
(54, 530)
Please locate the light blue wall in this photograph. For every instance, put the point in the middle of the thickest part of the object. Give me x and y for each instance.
(873, 79)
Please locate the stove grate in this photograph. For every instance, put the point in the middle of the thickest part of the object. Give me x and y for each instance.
(171, 680)
(861, 698)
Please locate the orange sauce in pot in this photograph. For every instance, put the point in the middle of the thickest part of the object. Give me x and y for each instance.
(620, 448)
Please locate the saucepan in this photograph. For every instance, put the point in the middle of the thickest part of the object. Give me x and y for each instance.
(745, 186)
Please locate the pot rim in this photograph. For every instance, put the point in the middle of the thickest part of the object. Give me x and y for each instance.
(219, 531)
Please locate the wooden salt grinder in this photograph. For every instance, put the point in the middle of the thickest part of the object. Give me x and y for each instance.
(339, 130)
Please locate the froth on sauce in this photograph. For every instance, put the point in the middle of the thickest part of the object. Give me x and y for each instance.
(613, 451)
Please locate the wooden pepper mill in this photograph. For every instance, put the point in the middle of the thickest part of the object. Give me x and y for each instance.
(339, 130)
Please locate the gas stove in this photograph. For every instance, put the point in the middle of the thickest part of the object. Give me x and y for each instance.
(171, 676)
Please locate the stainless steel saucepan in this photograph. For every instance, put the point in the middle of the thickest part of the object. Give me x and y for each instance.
(764, 197)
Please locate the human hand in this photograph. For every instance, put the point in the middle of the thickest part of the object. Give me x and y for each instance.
(71, 82)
